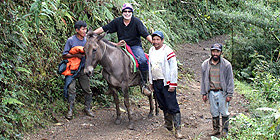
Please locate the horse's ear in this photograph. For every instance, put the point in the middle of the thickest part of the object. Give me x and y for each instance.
(90, 33)
(90, 29)
(101, 36)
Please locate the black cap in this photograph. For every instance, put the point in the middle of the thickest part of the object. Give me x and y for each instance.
(217, 46)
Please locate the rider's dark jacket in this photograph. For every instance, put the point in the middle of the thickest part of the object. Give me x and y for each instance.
(131, 33)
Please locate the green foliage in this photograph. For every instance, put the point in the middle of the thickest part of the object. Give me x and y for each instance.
(99, 86)
(262, 120)
(268, 85)
(246, 127)
(29, 59)
(255, 30)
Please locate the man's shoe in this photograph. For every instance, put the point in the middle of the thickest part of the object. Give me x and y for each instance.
(178, 134)
(89, 112)
(216, 126)
(69, 115)
(146, 91)
(214, 133)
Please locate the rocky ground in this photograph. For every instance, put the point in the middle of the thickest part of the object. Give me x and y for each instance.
(196, 117)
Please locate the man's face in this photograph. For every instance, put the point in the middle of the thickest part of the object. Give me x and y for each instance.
(216, 54)
(82, 31)
(157, 42)
(127, 14)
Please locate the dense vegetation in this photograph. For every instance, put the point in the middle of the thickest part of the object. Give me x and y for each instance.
(33, 33)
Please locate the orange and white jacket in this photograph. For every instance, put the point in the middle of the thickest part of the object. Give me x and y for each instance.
(74, 62)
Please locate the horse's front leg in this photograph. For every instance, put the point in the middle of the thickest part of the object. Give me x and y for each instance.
(150, 115)
(117, 103)
(126, 103)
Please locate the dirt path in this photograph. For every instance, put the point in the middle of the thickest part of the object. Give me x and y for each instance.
(196, 117)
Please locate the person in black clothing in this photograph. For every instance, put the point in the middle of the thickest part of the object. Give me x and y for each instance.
(129, 30)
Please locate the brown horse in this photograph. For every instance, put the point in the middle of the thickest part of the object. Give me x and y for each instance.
(116, 71)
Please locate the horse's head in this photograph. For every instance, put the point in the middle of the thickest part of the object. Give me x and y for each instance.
(93, 51)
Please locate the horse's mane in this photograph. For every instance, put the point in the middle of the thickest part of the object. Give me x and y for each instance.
(92, 34)
(109, 44)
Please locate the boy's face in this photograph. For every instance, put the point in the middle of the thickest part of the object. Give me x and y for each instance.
(82, 31)
(157, 42)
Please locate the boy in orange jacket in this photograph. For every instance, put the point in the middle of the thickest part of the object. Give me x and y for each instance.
(79, 39)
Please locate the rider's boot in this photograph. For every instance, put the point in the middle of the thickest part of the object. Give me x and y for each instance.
(144, 88)
(88, 100)
(71, 100)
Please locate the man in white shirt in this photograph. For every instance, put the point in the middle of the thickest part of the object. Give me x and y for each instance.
(163, 81)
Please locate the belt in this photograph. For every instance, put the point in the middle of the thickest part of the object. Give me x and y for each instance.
(216, 90)
(158, 80)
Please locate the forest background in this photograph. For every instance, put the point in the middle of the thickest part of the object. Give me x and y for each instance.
(33, 33)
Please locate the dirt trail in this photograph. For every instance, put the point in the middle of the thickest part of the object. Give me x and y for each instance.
(196, 117)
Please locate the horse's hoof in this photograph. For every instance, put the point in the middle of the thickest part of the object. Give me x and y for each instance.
(131, 126)
(151, 115)
(118, 121)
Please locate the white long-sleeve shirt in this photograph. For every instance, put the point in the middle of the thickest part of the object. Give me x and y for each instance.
(163, 65)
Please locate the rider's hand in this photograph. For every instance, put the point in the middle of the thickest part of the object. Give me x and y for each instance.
(121, 43)
(204, 97)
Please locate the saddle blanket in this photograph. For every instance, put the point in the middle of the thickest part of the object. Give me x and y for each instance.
(128, 50)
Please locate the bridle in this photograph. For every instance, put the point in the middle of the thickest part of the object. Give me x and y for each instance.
(104, 51)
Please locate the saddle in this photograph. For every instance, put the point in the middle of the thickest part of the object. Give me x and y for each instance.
(134, 65)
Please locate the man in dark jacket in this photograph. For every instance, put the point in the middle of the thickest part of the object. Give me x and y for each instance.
(217, 85)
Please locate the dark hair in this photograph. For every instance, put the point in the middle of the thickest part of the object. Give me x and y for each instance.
(80, 24)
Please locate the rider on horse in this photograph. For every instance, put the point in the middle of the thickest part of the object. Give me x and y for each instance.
(130, 29)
